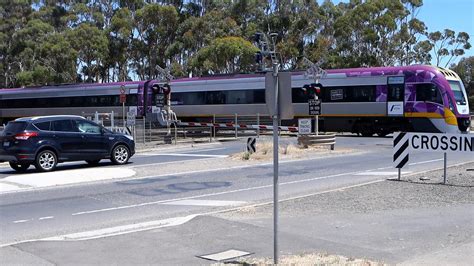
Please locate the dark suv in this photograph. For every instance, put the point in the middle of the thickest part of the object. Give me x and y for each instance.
(48, 140)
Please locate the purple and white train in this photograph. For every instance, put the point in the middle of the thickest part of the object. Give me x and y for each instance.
(367, 101)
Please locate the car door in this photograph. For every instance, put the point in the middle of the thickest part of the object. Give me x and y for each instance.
(94, 142)
(68, 139)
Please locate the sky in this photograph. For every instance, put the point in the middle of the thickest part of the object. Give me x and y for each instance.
(457, 15)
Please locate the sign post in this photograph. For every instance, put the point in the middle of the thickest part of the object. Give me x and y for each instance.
(315, 109)
(403, 143)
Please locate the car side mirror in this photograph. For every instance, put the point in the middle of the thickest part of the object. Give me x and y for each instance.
(102, 131)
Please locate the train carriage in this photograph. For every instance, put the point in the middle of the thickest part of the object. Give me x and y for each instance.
(367, 101)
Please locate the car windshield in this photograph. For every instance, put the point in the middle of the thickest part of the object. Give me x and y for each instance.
(14, 127)
(458, 92)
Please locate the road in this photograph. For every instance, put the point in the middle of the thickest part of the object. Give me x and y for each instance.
(155, 194)
(83, 207)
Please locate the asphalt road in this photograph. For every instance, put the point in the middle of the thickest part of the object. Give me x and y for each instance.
(150, 196)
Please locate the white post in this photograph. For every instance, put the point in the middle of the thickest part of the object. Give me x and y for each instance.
(213, 125)
(144, 130)
(235, 123)
(112, 124)
(258, 125)
(445, 165)
(316, 128)
(123, 114)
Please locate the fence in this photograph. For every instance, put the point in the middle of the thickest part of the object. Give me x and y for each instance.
(213, 127)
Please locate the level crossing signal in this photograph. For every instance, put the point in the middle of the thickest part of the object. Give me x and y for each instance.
(313, 90)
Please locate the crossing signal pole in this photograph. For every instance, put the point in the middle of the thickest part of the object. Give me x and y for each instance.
(267, 51)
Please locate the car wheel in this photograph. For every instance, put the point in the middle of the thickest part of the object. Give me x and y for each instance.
(46, 161)
(19, 167)
(120, 154)
(93, 162)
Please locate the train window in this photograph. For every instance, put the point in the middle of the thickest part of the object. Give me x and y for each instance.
(396, 92)
(349, 94)
(43, 125)
(428, 92)
(298, 95)
(215, 97)
(218, 97)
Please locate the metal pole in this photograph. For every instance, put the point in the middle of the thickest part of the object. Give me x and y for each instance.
(213, 125)
(317, 125)
(175, 134)
(399, 173)
(123, 114)
(112, 124)
(144, 130)
(235, 123)
(445, 164)
(275, 167)
(258, 125)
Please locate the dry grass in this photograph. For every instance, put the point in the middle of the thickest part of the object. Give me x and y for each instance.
(265, 151)
(309, 259)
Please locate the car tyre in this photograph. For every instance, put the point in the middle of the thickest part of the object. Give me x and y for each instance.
(93, 162)
(19, 167)
(46, 161)
(120, 154)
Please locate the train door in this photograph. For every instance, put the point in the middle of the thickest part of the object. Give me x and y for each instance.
(395, 96)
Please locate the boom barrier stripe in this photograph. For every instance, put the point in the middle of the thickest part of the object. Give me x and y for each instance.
(230, 125)
(400, 148)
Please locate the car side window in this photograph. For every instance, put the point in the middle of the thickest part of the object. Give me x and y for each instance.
(63, 126)
(43, 126)
(87, 127)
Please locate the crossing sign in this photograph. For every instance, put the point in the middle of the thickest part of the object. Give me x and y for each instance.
(400, 149)
(251, 145)
(314, 106)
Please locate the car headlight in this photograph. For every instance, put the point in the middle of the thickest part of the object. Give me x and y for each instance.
(129, 137)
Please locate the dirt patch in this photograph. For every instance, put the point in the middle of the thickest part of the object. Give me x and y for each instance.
(287, 151)
(308, 259)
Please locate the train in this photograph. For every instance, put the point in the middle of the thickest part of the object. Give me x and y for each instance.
(365, 101)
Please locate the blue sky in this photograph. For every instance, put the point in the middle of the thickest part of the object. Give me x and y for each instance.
(457, 15)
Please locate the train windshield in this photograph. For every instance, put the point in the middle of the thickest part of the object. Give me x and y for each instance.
(459, 92)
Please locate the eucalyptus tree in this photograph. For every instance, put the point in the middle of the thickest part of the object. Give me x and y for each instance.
(448, 44)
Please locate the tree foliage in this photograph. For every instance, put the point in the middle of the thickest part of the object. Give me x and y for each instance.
(45, 42)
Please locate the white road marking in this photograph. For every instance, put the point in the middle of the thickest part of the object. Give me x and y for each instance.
(218, 193)
(205, 202)
(46, 218)
(63, 177)
(20, 221)
(184, 219)
(430, 161)
(161, 163)
(187, 151)
(206, 195)
(189, 155)
(383, 173)
(124, 229)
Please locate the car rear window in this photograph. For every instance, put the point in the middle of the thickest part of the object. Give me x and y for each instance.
(14, 127)
(43, 125)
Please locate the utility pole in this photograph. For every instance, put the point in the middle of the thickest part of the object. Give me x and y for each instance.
(267, 50)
